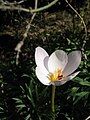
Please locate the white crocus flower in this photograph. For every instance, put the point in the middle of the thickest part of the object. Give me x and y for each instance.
(57, 68)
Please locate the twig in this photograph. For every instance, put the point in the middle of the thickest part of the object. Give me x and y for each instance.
(78, 15)
(45, 7)
(11, 3)
(22, 1)
(19, 8)
(21, 43)
(12, 7)
(84, 42)
(87, 118)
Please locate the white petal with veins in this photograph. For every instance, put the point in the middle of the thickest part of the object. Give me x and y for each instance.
(40, 55)
(42, 77)
(57, 60)
(58, 83)
(70, 77)
(74, 59)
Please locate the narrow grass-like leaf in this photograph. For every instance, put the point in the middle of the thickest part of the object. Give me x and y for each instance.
(81, 95)
(28, 117)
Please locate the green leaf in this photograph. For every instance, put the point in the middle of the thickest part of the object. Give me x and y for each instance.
(30, 95)
(21, 106)
(1, 108)
(18, 100)
(81, 95)
(28, 117)
(86, 83)
(82, 82)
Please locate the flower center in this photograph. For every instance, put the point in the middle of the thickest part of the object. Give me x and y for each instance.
(57, 75)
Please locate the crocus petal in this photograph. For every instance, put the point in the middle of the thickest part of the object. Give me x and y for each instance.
(46, 62)
(57, 60)
(64, 80)
(42, 77)
(40, 55)
(58, 83)
(74, 59)
(70, 77)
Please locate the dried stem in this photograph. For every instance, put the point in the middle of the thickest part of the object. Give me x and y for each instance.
(21, 43)
(87, 118)
(78, 15)
(84, 42)
(19, 8)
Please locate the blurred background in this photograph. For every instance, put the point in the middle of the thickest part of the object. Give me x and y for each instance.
(22, 96)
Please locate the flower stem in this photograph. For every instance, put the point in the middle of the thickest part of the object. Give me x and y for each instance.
(53, 97)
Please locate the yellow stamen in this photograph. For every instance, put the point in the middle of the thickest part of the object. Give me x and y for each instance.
(57, 75)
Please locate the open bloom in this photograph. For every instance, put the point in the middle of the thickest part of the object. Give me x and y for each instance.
(57, 68)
